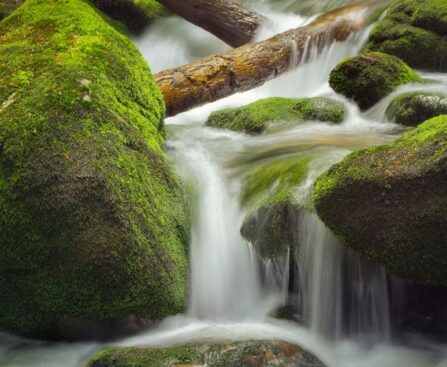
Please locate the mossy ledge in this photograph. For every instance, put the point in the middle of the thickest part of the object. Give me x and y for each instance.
(271, 224)
(412, 109)
(369, 77)
(92, 220)
(255, 117)
(390, 203)
(415, 31)
(237, 354)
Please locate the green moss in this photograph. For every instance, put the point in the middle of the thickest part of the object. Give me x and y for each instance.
(144, 357)
(237, 354)
(390, 203)
(92, 220)
(255, 117)
(415, 31)
(370, 77)
(271, 224)
(412, 109)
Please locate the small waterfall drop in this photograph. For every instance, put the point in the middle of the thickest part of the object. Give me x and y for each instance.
(224, 282)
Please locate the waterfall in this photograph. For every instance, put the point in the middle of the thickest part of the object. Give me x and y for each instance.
(342, 294)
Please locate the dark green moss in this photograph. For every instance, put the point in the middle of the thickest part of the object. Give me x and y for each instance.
(237, 354)
(390, 203)
(135, 14)
(412, 109)
(92, 220)
(370, 77)
(8, 6)
(255, 117)
(416, 32)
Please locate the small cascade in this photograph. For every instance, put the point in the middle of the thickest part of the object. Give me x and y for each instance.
(341, 294)
(224, 282)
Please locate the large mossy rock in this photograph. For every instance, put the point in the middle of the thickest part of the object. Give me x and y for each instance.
(412, 109)
(93, 229)
(369, 77)
(390, 203)
(236, 354)
(255, 117)
(415, 31)
(271, 225)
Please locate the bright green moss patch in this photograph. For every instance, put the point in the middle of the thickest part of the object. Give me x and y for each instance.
(370, 77)
(390, 203)
(415, 31)
(255, 117)
(92, 220)
(236, 354)
(412, 109)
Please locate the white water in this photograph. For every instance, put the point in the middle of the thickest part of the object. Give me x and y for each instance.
(343, 297)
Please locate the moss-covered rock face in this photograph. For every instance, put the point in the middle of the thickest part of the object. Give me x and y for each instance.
(255, 117)
(237, 354)
(271, 225)
(92, 222)
(390, 203)
(414, 108)
(369, 77)
(415, 31)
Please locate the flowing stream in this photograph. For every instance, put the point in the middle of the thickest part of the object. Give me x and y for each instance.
(342, 297)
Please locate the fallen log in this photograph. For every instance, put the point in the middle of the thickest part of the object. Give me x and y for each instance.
(217, 76)
(226, 19)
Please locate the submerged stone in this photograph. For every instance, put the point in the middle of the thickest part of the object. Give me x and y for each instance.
(255, 117)
(390, 203)
(271, 225)
(235, 354)
(412, 109)
(416, 32)
(369, 77)
(93, 225)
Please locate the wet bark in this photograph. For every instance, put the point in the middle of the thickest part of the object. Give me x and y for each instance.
(226, 19)
(217, 76)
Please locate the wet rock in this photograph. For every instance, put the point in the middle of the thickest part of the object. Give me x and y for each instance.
(256, 117)
(414, 108)
(369, 77)
(390, 203)
(416, 32)
(271, 225)
(235, 354)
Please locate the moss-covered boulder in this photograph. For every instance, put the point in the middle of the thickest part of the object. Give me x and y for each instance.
(412, 109)
(255, 117)
(369, 77)
(390, 203)
(271, 225)
(93, 229)
(415, 31)
(236, 354)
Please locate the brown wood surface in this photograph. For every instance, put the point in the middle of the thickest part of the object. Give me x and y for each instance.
(217, 76)
(226, 19)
